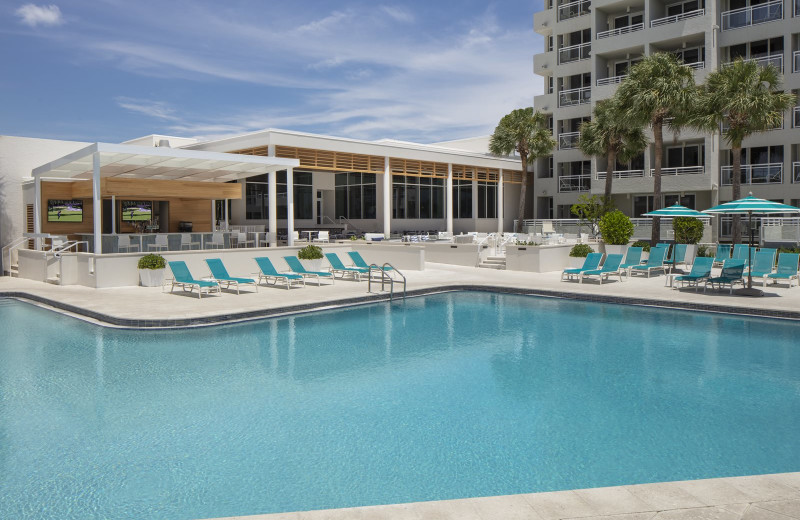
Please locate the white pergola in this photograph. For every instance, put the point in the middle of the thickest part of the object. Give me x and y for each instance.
(104, 160)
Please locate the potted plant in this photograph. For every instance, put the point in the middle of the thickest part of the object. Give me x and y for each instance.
(578, 254)
(645, 245)
(688, 230)
(311, 257)
(616, 229)
(151, 270)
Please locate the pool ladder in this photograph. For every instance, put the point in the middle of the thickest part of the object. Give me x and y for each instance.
(386, 278)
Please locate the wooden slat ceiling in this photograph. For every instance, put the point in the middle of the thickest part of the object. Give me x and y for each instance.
(347, 162)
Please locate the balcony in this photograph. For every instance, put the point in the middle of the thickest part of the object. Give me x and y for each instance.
(681, 170)
(574, 183)
(575, 96)
(568, 140)
(796, 61)
(622, 174)
(796, 117)
(611, 81)
(772, 59)
(677, 18)
(622, 30)
(572, 53)
(755, 174)
(573, 9)
(697, 65)
(753, 15)
(796, 172)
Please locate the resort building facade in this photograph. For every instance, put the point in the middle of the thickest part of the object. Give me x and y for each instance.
(589, 47)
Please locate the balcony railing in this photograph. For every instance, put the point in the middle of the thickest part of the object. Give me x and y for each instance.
(753, 15)
(681, 170)
(568, 140)
(573, 9)
(677, 18)
(755, 174)
(621, 174)
(611, 81)
(696, 65)
(796, 172)
(572, 53)
(796, 117)
(772, 59)
(796, 58)
(573, 183)
(622, 30)
(575, 96)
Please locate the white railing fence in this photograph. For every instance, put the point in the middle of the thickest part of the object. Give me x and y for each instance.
(642, 227)
(681, 170)
(796, 59)
(755, 174)
(696, 65)
(613, 80)
(575, 96)
(582, 51)
(622, 30)
(573, 9)
(568, 140)
(574, 183)
(773, 59)
(621, 174)
(753, 15)
(677, 17)
(796, 172)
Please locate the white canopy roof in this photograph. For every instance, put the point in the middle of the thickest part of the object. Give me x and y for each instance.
(144, 162)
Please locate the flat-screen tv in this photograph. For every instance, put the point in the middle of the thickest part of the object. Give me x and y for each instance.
(64, 210)
(137, 210)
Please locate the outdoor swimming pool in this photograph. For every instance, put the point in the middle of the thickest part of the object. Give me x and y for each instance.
(446, 396)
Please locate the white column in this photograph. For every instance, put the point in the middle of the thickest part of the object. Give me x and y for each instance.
(113, 214)
(97, 205)
(387, 199)
(37, 211)
(227, 217)
(500, 203)
(448, 197)
(272, 195)
(290, 206)
(213, 214)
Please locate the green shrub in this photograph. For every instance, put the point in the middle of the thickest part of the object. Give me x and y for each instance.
(152, 262)
(789, 250)
(580, 250)
(644, 244)
(688, 230)
(616, 228)
(310, 252)
(703, 251)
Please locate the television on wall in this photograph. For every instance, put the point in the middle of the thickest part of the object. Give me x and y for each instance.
(137, 210)
(64, 210)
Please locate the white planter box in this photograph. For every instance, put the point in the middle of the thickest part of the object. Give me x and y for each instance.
(576, 261)
(312, 265)
(616, 250)
(151, 277)
(537, 259)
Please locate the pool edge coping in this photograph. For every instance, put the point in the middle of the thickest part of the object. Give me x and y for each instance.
(107, 320)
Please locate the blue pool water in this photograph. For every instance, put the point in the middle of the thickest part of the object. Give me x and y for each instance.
(455, 395)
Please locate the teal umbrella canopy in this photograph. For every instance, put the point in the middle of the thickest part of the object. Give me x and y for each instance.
(676, 210)
(752, 204)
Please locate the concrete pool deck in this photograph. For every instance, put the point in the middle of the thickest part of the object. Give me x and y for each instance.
(768, 497)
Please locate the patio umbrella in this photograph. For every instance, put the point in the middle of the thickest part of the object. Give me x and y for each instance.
(750, 205)
(676, 210)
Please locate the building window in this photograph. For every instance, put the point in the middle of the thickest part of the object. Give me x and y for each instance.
(550, 84)
(487, 199)
(684, 7)
(257, 199)
(462, 198)
(356, 195)
(417, 197)
(550, 43)
(688, 155)
(685, 200)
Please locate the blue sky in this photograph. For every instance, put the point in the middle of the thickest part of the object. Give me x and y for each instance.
(111, 70)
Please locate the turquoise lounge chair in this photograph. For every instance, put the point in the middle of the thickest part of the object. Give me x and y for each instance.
(297, 267)
(221, 276)
(358, 261)
(654, 263)
(787, 269)
(678, 256)
(610, 266)
(183, 279)
(701, 269)
(763, 263)
(669, 248)
(633, 257)
(338, 267)
(722, 253)
(732, 271)
(772, 251)
(591, 262)
(268, 272)
(740, 252)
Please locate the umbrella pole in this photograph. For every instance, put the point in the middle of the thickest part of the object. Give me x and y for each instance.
(749, 291)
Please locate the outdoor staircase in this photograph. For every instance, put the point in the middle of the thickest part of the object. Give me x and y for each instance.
(493, 262)
(13, 271)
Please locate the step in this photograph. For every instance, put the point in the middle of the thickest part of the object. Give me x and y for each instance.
(492, 266)
(494, 261)
(55, 280)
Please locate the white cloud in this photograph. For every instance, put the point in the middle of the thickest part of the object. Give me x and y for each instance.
(398, 13)
(157, 109)
(33, 15)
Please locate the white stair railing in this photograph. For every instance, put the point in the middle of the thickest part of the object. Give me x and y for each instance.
(6, 257)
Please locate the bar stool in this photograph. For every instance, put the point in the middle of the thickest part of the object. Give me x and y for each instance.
(124, 242)
(186, 241)
(241, 240)
(162, 242)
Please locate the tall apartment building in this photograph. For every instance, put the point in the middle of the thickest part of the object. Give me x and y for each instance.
(589, 47)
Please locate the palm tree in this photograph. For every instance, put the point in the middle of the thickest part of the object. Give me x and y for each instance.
(743, 98)
(525, 132)
(658, 90)
(608, 135)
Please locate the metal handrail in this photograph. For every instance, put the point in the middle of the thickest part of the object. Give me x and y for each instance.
(622, 30)
(583, 95)
(385, 277)
(568, 140)
(566, 183)
(482, 243)
(796, 172)
(581, 51)
(349, 224)
(7, 250)
(613, 80)
(696, 65)
(621, 174)
(681, 170)
(58, 252)
(796, 59)
(677, 17)
(566, 11)
(772, 59)
(770, 173)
